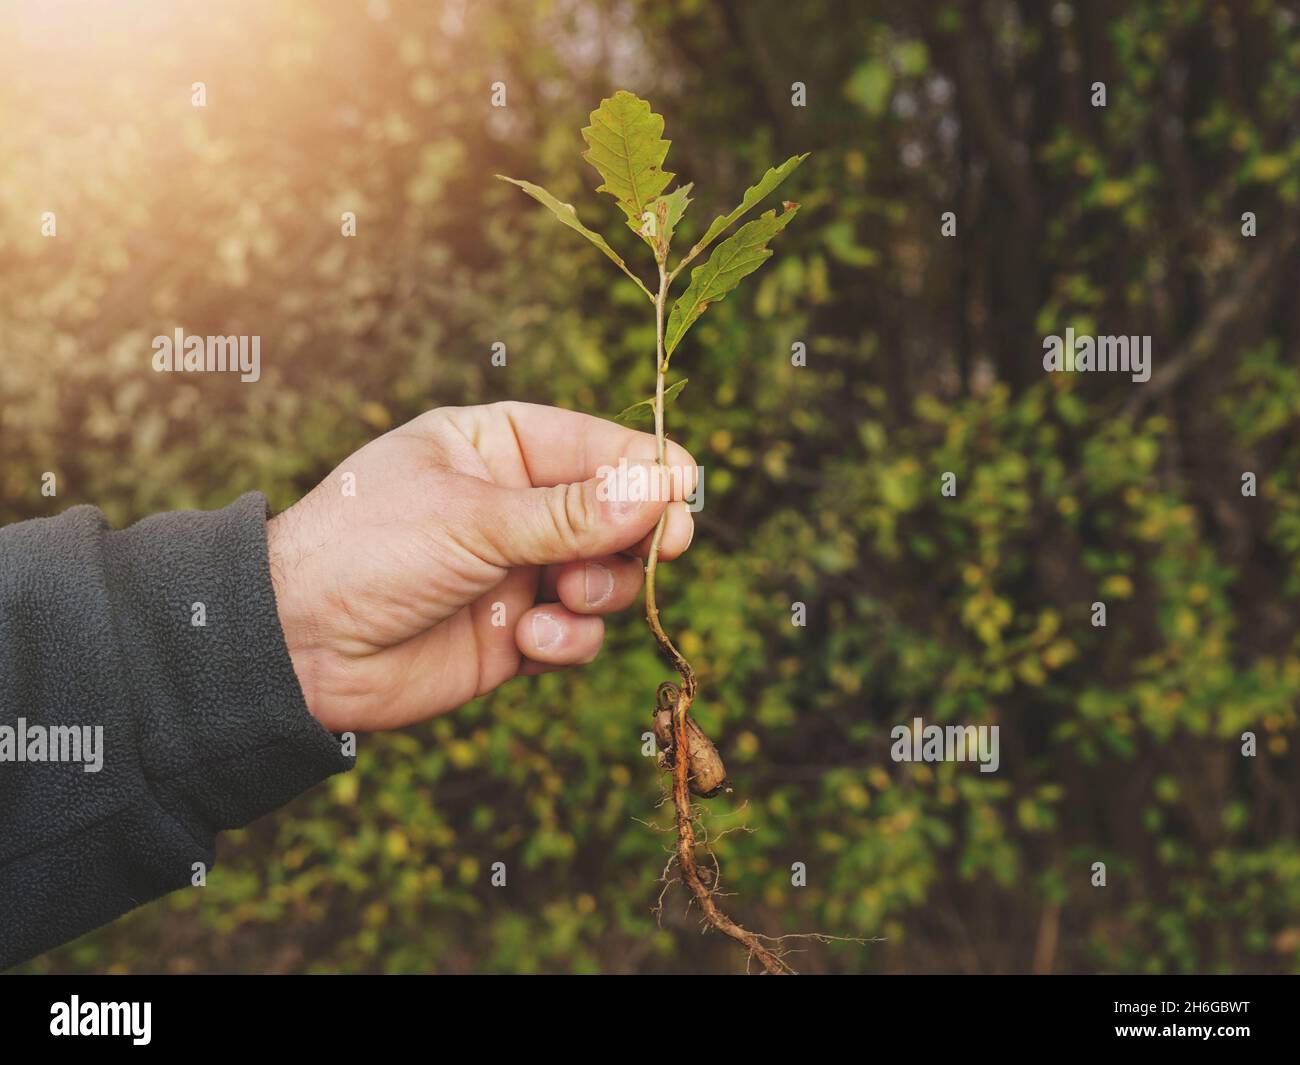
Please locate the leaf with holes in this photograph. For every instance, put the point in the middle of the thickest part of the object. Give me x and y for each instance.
(665, 213)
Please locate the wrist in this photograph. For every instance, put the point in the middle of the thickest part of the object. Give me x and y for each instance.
(295, 621)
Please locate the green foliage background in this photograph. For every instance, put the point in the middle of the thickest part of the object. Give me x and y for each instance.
(1119, 744)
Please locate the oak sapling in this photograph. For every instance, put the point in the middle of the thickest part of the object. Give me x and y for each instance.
(625, 145)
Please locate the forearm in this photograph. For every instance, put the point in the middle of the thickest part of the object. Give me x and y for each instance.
(164, 640)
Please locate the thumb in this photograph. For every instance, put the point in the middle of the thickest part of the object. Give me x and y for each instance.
(608, 513)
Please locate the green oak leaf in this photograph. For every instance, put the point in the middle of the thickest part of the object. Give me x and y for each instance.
(765, 185)
(566, 214)
(733, 260)
(644, 410)
(625, 145)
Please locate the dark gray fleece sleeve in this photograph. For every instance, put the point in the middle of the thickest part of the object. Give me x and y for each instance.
(202, 726)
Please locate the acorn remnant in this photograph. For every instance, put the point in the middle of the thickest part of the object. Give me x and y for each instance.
(706, 773)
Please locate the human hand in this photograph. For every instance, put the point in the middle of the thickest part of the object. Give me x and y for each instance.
(477, 546)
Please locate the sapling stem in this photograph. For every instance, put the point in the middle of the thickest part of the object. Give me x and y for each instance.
(661, 447)
(679, 661)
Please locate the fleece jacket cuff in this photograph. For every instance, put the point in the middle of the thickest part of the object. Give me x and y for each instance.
(234, 739)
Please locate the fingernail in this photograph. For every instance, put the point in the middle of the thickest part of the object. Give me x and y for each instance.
(599, 581)
(546, 631)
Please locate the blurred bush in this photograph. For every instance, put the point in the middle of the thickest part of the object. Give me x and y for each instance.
(1119, 744)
